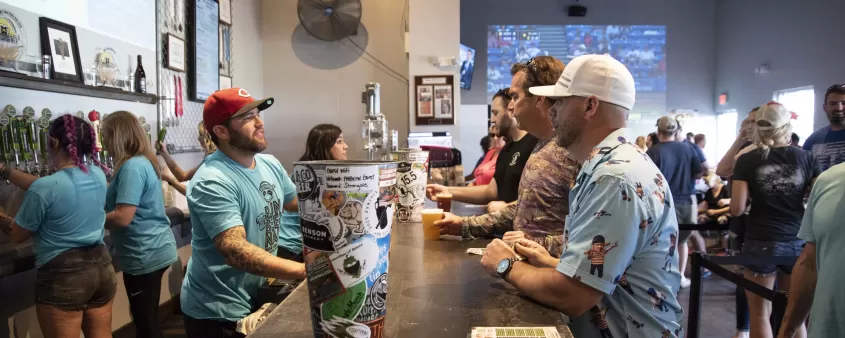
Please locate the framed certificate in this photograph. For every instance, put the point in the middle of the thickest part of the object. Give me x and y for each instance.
(175, 58)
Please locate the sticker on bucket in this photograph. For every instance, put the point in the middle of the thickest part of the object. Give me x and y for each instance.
(352, 178)
(345, 328)
(376, 304)
(376, 216)
(355, 261)
(306, 182)
(346, 305)
(323, 282)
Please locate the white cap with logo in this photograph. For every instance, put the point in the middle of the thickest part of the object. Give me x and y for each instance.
(593, 75)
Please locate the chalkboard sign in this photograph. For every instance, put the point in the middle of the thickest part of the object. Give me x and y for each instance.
(203, 78)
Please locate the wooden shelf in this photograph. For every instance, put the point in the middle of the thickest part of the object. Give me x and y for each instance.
(16, 80)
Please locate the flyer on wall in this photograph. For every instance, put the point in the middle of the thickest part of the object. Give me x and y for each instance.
(443, 102)
(424, 101)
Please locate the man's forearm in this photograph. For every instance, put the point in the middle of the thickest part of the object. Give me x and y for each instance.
(488, 225)
(546, 286)
(552, 243)
(472, 195)
(802, 291)
(245, 256)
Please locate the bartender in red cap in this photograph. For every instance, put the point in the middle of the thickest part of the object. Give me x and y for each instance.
(236, 199)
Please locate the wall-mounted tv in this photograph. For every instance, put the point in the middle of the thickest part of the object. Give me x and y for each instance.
(203, 49)
(467, 66)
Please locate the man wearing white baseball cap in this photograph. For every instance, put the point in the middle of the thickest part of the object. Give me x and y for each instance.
(622, 227)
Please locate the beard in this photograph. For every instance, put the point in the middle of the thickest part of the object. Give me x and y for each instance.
(504, 127)
(836, 117)
(243, 142)
(568, 131)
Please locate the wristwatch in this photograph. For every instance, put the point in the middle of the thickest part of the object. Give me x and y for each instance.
(504, 267)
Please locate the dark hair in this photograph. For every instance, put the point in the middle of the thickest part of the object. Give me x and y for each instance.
(699, 138)
(539, 71)
(320, 141)
(654, 139)
(796, 138)
(485, 143)
(690, 135)
(77, 138)
(503, 93)
(834, 89)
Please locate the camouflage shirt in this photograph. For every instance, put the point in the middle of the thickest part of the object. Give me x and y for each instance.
(543, 203)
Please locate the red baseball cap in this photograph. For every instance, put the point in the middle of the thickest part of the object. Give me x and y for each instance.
(227, 103)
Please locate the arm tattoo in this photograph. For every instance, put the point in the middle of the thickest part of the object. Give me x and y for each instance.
(241, 254)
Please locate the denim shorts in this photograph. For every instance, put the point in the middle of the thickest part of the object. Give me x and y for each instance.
(76, 279)
(771, 249)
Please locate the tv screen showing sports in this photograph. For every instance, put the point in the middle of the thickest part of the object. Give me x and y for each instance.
(642, 48)
(467, 66)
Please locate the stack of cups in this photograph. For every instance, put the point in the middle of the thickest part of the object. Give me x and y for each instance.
(411, 178)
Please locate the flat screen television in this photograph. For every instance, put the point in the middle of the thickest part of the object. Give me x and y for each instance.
(467, 66)
(203, 73)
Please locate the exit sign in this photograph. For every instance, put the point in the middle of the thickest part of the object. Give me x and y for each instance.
(723, 98)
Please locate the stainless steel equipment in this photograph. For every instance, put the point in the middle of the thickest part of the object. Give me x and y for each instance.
(374, 126)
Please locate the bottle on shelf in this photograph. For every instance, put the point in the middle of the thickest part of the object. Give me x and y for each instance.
(140, 78)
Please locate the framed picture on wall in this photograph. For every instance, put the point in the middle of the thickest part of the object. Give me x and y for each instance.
(226, 12)
(175, 58)
(58, 40)
(225, 50)
(434, 99)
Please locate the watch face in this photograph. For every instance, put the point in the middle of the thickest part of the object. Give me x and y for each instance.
(503, 266)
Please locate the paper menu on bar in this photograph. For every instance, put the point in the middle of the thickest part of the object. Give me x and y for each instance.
(515, 332)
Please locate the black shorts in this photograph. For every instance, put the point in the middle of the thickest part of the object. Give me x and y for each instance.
(76, 279)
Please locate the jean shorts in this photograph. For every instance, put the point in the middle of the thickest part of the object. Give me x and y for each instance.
(771, 249)
(76, 279)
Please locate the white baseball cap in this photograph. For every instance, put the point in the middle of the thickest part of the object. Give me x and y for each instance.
(774, 115)
(593, 75)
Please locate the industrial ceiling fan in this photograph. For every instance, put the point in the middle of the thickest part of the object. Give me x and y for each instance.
(330, 20)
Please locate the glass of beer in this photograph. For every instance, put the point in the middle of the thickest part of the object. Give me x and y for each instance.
(444, 201)
(429, 216)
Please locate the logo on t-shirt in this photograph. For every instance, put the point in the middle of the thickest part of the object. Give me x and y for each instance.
(269, 219)
(514, 159)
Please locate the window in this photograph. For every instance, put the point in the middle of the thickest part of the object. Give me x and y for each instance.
(725, 133)
(801, 101)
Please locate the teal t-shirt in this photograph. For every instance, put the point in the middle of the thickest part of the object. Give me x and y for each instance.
(147, 244)
(290, 234)
(224, 194)
(65, 210)
(823, 225)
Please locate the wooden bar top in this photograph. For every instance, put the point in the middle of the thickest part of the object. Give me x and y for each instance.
(435, 289)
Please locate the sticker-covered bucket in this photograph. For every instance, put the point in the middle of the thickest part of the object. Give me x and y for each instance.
(346, 211)
(411, 177)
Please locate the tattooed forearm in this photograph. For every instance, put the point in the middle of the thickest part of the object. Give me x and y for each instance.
(240, 253)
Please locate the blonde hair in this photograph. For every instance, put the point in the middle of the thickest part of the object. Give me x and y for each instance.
(205, 139)
(641, 142)
(124, 138)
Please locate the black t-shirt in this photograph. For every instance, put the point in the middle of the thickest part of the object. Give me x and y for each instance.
(713, 201)
(776, 187)
(679, 163)
(509, 166)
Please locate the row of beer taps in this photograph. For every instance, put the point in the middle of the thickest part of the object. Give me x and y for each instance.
(24, 140)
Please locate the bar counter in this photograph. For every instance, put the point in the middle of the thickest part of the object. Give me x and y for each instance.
(435, 289)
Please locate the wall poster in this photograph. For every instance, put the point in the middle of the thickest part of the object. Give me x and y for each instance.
(435, 100)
